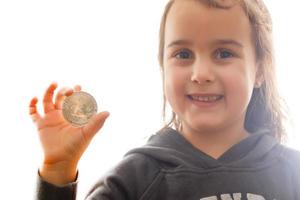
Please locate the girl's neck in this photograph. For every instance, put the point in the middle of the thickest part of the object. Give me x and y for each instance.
(215, 143)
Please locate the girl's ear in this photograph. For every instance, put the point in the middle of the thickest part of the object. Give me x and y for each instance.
(259, 77)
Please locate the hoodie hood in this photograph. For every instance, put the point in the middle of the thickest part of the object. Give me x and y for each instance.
(170, 147)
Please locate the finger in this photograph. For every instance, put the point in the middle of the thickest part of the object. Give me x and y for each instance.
(35, 116)
(96, 122)
(61, 95)
(47, 101)
(77, 88)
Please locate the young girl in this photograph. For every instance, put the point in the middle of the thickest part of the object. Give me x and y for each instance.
(223, 141)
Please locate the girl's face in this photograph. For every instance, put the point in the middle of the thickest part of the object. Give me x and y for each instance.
(209, 66)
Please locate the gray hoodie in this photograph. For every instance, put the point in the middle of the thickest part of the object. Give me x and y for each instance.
(168, 167)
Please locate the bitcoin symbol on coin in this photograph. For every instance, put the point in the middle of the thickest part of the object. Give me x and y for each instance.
(79, 108)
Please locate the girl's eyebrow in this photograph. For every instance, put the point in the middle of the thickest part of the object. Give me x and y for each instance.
(228, 41)
(180, 42)
(213, 43)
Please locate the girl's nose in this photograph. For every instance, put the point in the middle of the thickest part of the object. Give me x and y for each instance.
(202, 73)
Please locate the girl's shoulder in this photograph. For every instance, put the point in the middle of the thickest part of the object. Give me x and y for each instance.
(292, 156)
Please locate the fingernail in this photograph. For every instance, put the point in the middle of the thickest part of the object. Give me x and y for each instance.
(105, 113)
(54, 83)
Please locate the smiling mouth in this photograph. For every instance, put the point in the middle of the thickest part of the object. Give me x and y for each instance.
(205, 98)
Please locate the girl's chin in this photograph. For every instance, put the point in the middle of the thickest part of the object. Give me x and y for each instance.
(202, 126)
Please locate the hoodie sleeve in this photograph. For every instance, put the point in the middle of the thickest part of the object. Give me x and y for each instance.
(130, 179)
(49, 191)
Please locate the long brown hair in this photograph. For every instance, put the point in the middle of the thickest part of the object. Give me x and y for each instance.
(266, 109)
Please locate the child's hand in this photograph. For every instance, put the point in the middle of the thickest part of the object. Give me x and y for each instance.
(62, 143)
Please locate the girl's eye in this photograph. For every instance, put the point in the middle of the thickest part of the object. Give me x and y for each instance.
(223, 54)
(184, 54)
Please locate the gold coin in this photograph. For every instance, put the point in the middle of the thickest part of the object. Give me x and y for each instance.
(79, 108)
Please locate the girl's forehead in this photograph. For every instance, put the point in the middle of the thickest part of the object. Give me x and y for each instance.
(191, 19)
(183, 6)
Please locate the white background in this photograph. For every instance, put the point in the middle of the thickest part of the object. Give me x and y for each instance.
(110, 48)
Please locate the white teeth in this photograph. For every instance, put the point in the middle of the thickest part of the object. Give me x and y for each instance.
(206, 99)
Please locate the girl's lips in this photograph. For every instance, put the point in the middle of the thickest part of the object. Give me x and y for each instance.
(204, 94)
(205, 100)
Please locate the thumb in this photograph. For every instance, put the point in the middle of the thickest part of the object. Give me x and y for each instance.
(95, 123)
